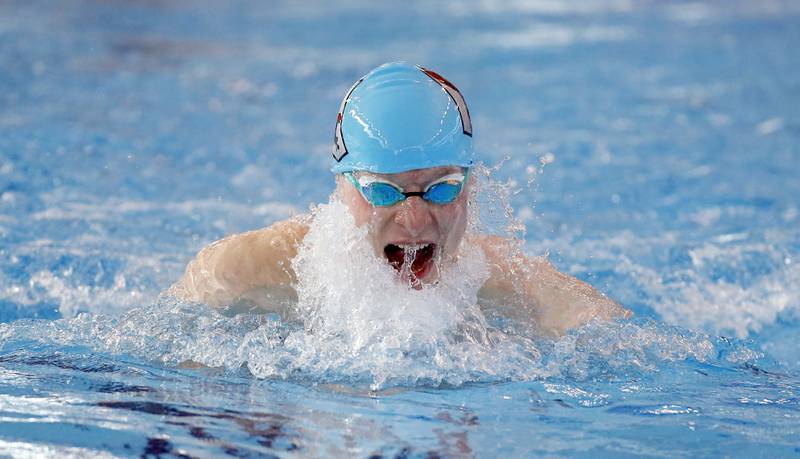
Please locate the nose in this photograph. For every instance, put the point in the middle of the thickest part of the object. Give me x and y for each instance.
(414, 215)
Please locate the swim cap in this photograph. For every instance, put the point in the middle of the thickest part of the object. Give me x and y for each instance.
(401, 117)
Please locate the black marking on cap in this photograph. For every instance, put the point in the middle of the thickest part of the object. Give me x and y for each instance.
(455, 94)
(339, 147)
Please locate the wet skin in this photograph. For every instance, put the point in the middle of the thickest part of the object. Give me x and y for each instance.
(254, 268)
(412, 223)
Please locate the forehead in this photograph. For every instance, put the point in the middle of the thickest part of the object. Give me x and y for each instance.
(419, 176)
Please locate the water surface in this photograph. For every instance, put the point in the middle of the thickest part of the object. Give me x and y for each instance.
(649, 149)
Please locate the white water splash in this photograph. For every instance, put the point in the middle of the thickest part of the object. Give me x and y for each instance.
(361, 326)
(344, 288)
(380, 333)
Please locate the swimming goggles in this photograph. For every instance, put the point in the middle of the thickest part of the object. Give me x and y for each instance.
(383, 193)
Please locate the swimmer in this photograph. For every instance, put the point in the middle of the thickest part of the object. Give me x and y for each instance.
(402, 156)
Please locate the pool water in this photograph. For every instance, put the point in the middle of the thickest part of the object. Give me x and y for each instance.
(649, 148)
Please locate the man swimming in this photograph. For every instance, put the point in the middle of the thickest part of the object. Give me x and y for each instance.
(402, 156)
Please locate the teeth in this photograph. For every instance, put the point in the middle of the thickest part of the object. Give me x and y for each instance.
(412, 246)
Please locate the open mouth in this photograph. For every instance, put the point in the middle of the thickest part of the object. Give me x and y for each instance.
(415, 260)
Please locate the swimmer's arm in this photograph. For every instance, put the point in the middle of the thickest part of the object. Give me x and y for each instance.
(555, 302)
(248, 267)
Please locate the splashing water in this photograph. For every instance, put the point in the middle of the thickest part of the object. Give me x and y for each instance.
(408, 354)
(345, 288)
(360, 326)
(135, 133)
(365, 322)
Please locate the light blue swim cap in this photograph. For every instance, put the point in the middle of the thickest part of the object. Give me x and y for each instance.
(401, 117)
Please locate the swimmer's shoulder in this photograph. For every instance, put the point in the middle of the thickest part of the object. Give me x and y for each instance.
(285, 235)
(494, 246)
(262, 256)
(232, 268)
(235, 254)
(291, 231)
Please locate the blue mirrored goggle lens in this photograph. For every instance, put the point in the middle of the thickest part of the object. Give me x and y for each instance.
(443, 193)
(385, 194)
(381, 194)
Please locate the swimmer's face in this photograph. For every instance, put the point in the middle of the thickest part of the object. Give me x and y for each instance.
(415, 236)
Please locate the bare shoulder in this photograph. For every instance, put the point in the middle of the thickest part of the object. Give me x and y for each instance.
(492, 245)
(502, 254)
(567, 302)
(537, 291)
(238, 265)
(280, 238)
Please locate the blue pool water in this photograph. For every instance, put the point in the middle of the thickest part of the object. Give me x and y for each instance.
(649, 148)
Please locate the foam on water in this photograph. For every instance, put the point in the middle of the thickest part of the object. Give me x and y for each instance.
(360, 326)
(180, 334)
(135, 133)
(723, 305)
(345, 288)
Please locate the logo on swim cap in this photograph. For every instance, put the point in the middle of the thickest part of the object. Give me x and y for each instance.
(401, 117)
(339, 148)
(466, 121)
